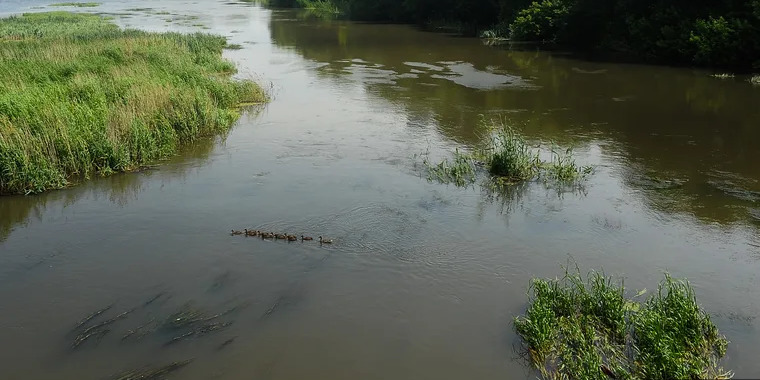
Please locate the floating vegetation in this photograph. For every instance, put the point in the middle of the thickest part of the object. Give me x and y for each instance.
(83, 337)
(508, 158)
(732, 189)
(185, 317)
(76, 4)
(580, 329)
(154, 298)
(98, 329)
(723, 76)
(229, 46)
(141, 330)
(226, 343)
(154, 373)
(200, 330)
(92, 316)
(755, 80)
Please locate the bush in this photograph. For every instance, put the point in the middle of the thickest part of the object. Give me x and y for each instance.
(542, 21)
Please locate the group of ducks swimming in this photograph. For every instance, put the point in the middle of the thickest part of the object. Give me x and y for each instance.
(274, 235)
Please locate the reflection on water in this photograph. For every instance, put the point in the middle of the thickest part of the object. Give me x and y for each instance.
(684, 126)
(119, 189)
(424, 278)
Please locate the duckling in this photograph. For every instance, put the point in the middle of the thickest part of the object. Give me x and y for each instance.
(280, 236)
(325, 241)
(251, 232)
(292, 237)
(266, 235)
(236, 232)
(306, 238)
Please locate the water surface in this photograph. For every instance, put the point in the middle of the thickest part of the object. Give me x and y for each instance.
(424, 279)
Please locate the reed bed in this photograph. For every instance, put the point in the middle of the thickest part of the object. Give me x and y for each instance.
(508, 158)
(81, 97)
(588, 329)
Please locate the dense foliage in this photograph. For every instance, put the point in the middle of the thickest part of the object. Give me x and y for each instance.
(723, 33)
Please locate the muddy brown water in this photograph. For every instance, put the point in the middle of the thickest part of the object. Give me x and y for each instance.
(424, 278)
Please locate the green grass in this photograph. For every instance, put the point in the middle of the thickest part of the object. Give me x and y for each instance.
(75, 4)
(79, 96)
(588, 329)
(508, 158)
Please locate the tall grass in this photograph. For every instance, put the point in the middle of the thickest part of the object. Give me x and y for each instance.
(79, 96)
(587, 329)
(509, 158)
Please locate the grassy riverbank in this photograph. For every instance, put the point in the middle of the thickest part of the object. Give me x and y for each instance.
(587, 329)
(79, 96)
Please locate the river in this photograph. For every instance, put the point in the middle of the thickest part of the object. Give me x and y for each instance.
(424, 278)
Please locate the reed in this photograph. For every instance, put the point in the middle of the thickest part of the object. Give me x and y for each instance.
(81, 97)
(509, 158)
(587, 329)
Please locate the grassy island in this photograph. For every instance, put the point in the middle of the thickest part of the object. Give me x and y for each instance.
(80, 96)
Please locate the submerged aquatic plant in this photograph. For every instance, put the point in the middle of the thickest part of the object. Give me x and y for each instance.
(587, 329)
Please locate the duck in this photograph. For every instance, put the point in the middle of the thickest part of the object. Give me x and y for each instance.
(306, 238)
(292, 237)
(280, 236)
(251, 232)
(325, 241)
(266, 235)
(236, 232)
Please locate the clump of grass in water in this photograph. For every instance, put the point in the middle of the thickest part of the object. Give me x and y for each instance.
(755, 80)
(75, 4)
(460, 170)
(588, 330)
(509, 159)
(79, 96)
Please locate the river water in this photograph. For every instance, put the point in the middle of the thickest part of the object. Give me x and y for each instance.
(424, 278)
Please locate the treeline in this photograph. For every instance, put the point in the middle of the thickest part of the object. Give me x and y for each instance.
(710, 33)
